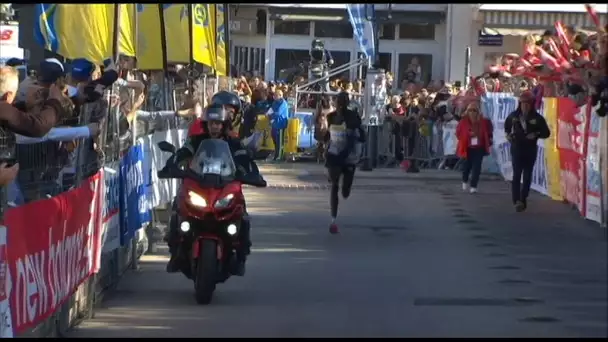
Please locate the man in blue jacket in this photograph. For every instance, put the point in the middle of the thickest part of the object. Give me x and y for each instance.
(278, 115)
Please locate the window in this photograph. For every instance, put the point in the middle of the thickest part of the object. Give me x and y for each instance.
(333, 29)
(258, 65)
(386, 62)
(387, 31)
(340, 58)
(417, 31)
(287, 61)
(420, 64)
(292, 27)
(260, 22)
(241, 59)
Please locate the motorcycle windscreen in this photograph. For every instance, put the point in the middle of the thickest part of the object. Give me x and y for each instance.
(213, 158)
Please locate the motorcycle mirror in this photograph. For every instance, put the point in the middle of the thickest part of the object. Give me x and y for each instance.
(166, 147)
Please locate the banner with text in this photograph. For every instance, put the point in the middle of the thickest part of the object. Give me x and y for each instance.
(110, 213)
(572, 146)
(46, 256)
(134, 199)
(593, 184)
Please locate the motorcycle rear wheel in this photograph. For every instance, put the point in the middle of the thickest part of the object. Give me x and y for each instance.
(206, 272)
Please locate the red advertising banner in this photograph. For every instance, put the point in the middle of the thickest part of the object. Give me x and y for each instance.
(53, 245)
(572, 145)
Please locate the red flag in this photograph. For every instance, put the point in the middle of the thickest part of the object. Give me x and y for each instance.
(564, 44)
(594, 17)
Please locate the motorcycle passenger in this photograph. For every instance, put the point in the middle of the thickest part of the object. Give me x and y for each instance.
(234, 106)
(216, 122)
(344, 141)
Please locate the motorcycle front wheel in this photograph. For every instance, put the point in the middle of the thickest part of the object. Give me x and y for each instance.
(207, 267)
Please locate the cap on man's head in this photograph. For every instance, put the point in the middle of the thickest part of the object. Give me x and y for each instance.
(82, 69)
(51, 69)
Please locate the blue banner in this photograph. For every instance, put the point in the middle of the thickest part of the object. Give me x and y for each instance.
(363, 29)
(135, 211)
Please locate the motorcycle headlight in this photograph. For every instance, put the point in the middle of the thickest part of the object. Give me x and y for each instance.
(196, 199)
(224, 202)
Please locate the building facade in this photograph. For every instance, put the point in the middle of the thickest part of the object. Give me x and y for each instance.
(267, 38)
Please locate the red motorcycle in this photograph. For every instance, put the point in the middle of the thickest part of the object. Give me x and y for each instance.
(211, 208)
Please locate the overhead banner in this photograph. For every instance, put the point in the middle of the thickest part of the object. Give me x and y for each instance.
(221, 67)
(84, 31)
(203, 34)
(177, 33)
(149, 40)
(363, 29)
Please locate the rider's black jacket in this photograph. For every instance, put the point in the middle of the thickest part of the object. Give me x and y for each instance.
(242, 160)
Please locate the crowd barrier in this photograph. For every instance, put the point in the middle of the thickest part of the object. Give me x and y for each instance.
(570, 162)
(55, 264)
(73, 224)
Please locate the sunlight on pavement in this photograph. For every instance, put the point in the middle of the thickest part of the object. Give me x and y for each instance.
(284, 250)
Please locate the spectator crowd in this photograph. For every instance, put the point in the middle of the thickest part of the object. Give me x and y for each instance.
(563, 61)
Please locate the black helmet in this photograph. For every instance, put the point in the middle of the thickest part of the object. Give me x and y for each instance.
(226, 98)
(215, 112)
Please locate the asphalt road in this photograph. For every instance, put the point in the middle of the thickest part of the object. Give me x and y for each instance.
(415, 258)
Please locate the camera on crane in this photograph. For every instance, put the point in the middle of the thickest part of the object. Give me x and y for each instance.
(317, 52)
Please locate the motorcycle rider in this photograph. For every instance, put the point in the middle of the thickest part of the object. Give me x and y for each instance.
(216, 123)
(232, 103)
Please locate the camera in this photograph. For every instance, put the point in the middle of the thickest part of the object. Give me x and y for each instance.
(317, 52)
(320, 61)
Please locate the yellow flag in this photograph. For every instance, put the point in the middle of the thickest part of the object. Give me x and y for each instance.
(84, 31)
(126, 42)
(149, 45)
(177, 33)
(203, 34)
(222, 50)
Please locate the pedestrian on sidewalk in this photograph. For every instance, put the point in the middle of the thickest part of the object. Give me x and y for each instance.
(523, 128)
(474, 134)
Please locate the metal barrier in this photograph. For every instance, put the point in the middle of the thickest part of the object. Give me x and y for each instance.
(419, 142)
(60, 162)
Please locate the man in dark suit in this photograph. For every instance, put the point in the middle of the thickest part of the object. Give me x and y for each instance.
(523, 128)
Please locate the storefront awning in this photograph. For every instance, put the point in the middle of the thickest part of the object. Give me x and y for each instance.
(333, 14)
(505, 31)
(537, 20)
